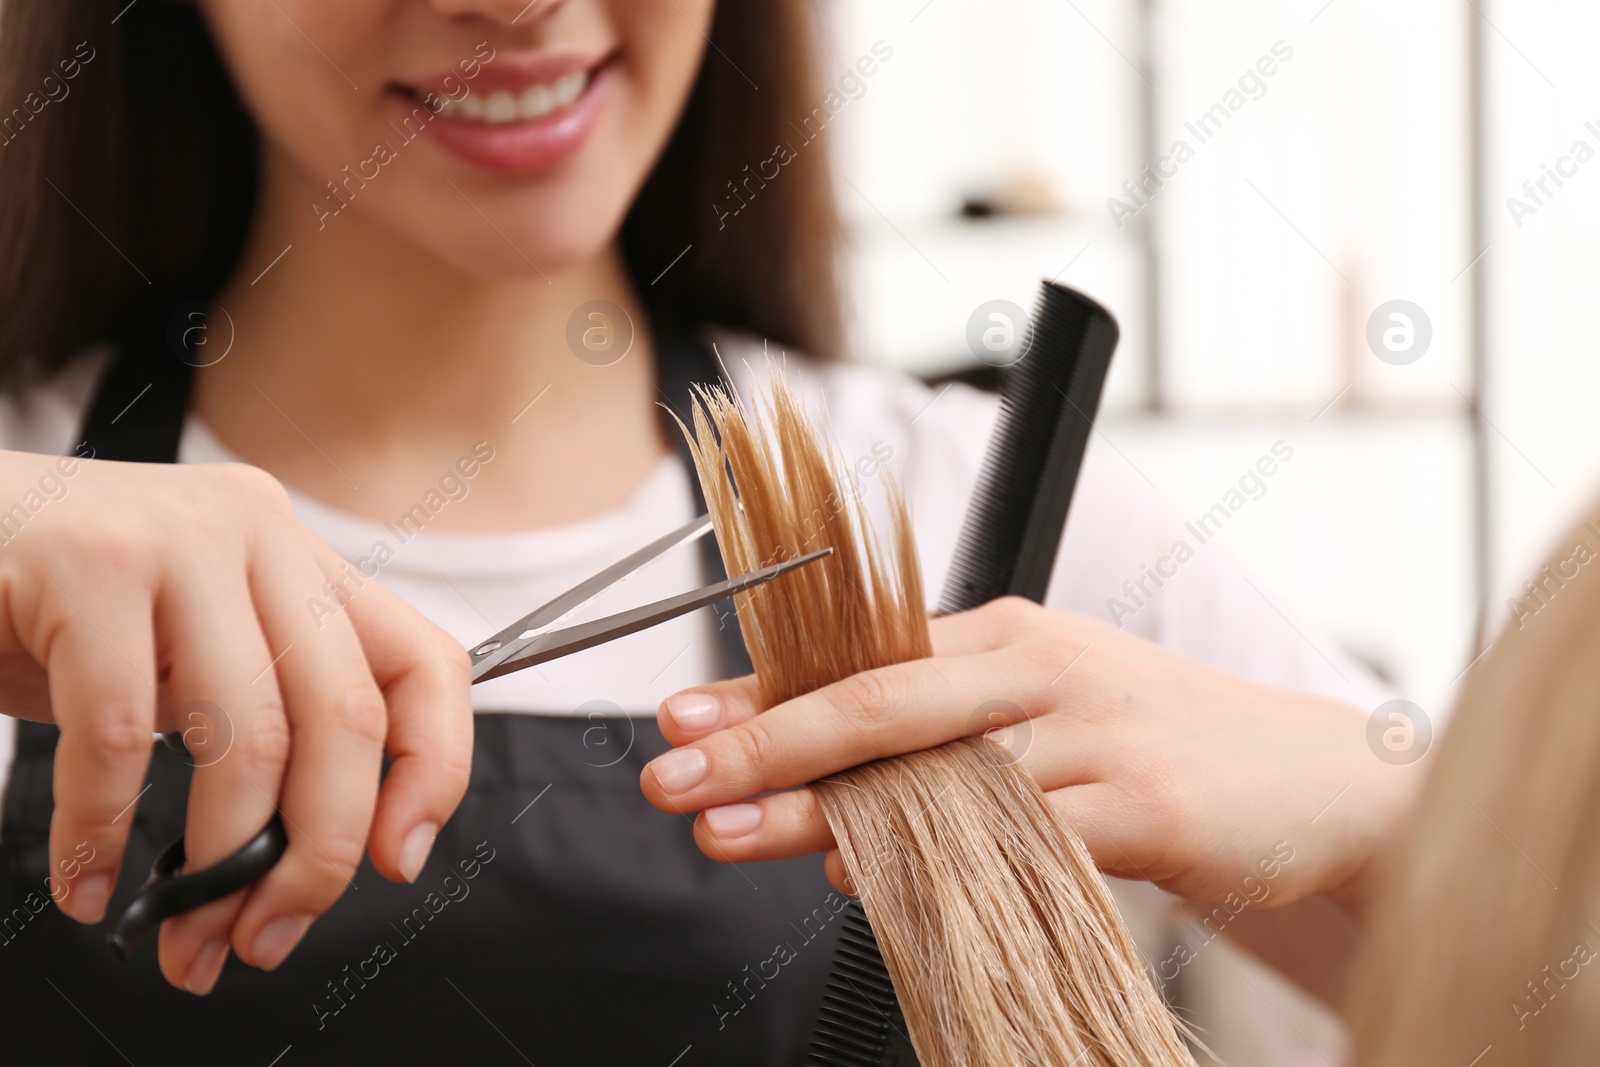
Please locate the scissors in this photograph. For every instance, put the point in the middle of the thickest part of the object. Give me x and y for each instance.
(525, 643)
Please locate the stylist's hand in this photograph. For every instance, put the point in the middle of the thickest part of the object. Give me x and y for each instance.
(137, 588)
(1170, 770)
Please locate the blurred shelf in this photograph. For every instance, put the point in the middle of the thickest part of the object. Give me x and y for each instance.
(915, 283)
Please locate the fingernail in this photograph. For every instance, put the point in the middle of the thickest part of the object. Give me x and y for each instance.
(694, 710)
(277, 939)
(89, 896)
(414, 852)
(206, 968)
(681, 770)
(733, 820)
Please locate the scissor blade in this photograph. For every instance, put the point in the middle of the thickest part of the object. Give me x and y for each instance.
(492, 651)
(572, 639)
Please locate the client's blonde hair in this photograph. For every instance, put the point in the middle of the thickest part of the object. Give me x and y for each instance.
(1000, 935)
(1485, 935)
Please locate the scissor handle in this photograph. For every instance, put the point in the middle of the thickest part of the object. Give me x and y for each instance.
(167, 893)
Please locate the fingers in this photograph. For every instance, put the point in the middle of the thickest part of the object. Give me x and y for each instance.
(774, 827)
(103, 694)
(228, 708)
(792, 823)
(699, 712)
(1067, 761)
(1121, 838)
(994, 674)
(218, 589)
(426, 679)
(696, 713)
(886, 712)
(337, 718)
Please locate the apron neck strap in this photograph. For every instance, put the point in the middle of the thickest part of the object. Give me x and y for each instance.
(139, 405)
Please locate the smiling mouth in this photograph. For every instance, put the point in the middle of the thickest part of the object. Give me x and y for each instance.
(522, 116)
(503, 107)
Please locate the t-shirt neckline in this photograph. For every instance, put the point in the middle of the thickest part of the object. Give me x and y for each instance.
(611, 533)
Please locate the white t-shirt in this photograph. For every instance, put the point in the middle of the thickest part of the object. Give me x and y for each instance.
(472, 585)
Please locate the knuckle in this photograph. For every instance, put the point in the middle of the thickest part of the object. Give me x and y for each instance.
(118, 737)
(344, 853)
(255, 486)
(359, 710)
(329, 865)
(867, 701)
(264, 745)
(1158, 801)
(754, 749)
(124, 551)
(1012, 614)
(198, 518)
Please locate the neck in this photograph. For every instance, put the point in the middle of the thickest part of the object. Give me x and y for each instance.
(362, 367)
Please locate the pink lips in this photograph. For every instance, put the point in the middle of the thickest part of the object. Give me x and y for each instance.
(518, 147)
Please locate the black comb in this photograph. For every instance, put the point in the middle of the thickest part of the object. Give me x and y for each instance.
(1008, 543)
(859, 1023)
(1007, 547)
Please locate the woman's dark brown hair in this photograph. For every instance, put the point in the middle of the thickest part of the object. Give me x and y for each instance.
(133, 194)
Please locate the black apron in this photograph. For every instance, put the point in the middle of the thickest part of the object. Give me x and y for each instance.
(560, 918)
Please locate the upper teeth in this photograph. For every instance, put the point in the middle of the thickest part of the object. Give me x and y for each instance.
(536, 101)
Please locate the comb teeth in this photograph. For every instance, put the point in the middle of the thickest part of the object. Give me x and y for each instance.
(859, 1023)
(1047, 406)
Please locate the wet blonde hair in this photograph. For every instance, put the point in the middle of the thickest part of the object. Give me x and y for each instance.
(1485, 934)
(1000, 935)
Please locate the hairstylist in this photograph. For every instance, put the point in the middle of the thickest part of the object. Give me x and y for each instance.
(392, 224)
(346, 244)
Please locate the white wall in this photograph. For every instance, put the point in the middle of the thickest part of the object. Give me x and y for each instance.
(1543, 378)
(1348, 183)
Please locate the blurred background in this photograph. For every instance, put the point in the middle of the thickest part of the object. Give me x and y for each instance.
(1376, 162)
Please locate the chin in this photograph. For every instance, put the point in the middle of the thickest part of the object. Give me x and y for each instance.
(497, 262)
(536, 234)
